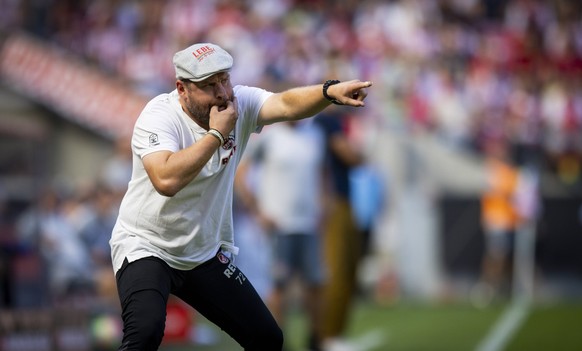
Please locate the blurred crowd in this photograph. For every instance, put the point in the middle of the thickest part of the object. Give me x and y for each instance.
(465, 71)
(57, 247)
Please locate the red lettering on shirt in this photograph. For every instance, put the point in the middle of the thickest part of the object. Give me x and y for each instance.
(226, 159)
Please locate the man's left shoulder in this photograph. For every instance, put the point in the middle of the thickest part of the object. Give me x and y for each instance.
(249, 91)
(250, 98)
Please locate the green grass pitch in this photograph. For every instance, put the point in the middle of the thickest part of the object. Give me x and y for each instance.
(435, 327)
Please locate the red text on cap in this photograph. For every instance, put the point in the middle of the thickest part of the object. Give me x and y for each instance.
(203, 51)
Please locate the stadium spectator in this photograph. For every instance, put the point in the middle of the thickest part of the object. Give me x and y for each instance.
(68, 264)
(440, 66)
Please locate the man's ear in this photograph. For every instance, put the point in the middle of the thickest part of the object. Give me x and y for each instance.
(180, 86)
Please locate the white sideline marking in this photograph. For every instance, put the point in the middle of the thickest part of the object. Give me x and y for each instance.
(365, 342)
(504, 329)
(523, 282)
(370, 340)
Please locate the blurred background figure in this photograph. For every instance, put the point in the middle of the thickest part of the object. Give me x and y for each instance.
(368, 190)
(254, 241)
(116, 171)
(499, 218)
(287, 203)
(68, 264)
(95, 235)
(342, 239)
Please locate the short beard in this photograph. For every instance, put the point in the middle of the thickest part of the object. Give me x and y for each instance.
(200, 114)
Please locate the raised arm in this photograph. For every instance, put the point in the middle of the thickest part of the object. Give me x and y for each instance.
(169, 172)
(307, 101)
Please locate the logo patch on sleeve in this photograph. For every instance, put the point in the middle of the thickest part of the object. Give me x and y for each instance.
(154, 139)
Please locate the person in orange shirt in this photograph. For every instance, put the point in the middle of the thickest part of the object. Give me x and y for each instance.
(499, 219)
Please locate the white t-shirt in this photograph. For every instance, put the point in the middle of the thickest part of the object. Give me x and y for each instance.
(290, 160)
(189, 228)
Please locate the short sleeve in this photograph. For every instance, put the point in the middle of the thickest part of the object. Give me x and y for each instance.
(250, 100)
(155, 131)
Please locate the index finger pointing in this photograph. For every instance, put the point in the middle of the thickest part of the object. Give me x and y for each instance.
(366, 84)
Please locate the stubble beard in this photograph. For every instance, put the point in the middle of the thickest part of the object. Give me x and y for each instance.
(201, 114)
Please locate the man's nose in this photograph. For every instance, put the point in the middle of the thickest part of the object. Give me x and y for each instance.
(220, 91)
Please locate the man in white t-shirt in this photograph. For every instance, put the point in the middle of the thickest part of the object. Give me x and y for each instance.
(174, 233)
(292, 154)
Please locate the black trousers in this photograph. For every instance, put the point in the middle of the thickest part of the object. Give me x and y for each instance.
(217, 289)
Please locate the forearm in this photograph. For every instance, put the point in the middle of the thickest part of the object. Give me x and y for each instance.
(294, 104)
(171, 172)
(307, 101)
(304, 102)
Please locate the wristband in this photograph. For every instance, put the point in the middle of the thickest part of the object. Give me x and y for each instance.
(326, 85)
(217, 135)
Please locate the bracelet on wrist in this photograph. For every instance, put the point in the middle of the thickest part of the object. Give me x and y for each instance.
(326, 85)
(217, 134)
